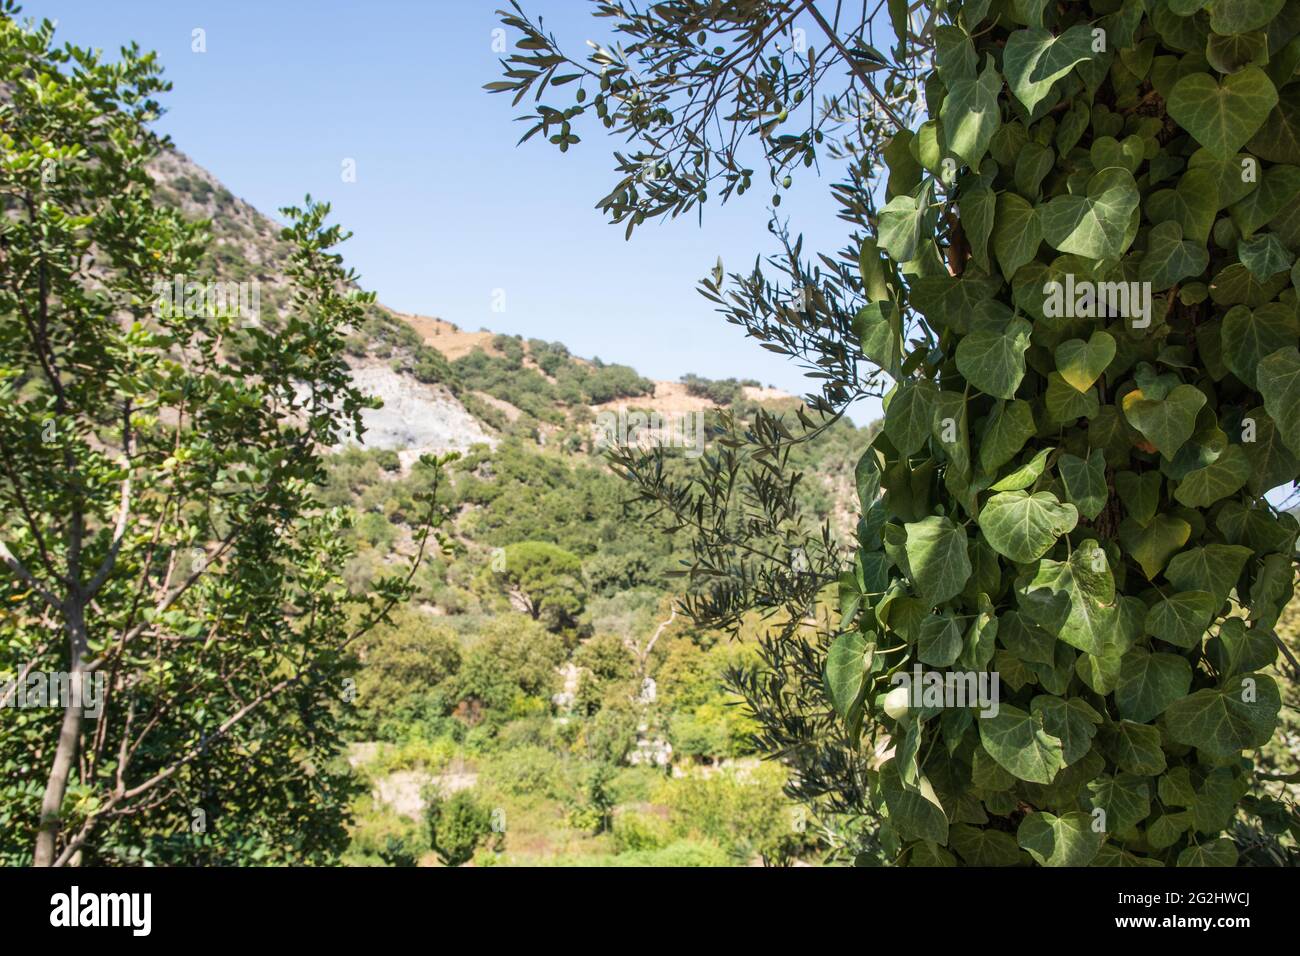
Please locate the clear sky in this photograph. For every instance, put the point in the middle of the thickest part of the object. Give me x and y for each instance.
(445, 209)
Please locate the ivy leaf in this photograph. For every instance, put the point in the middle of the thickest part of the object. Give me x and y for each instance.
(916, 814)
(1084, 481)
(847, 663)
(1133, 747)
(908, 417)
(1223, 721)
(1191, 204)
(1153, 545)
(992, 356)
(1271, 462)
(1008, 427)
(879, 329)
(979, 846)
(940, 641)
(1021, 745)
(1026, 474)
(1212, 567)
(1067, 840)
(1065, 403)
(1074, 599)
(1149, 683)
(1094, 224)
(1166, 423)
(978, 207)
(1278, 140)
(1017, 233)
(1222, 477)
(904, 222)
(1024, 527)
(1034, 59)
(1264, 255)
(1233, 53)
(1170, 258)
(1248, 336)
(937, 559)
(1278, 376)
(1242, 16)
(1125, 797)
(1072, 722)
(1081, 363)
(1181, 619)
(1218, 852)
(1222, 116)
(971, 115)
(1277, 188)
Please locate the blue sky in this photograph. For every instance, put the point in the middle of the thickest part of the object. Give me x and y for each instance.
(445, 209)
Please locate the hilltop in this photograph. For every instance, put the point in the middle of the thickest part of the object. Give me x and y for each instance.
(444, 388)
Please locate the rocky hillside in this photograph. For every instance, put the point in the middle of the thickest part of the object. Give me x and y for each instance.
(444, 388)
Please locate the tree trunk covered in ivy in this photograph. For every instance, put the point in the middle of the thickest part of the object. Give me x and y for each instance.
(1080, 288)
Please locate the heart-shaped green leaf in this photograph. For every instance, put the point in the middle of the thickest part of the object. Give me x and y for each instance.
(1210, 567)
(1081, 363)
(1181, 619)
(970, 113)
(1034, 59)
(1024, 527)
(1021, 745)
(1025, 475)
(992, 356)
(1223, 721)
(1017, 233)
(1192, 204)
(1170, 258)
(1096, 223)
(1149, 683)
(1084, 481)
(1074, 599)
(1220, 478)
(1152, 545)
(910, 412)
(847, 664)
(1249, 336)
(1166, 423)
(1068, 840)
(937, 559)
(1278, 376)
(1222, 116)
(1241, 16)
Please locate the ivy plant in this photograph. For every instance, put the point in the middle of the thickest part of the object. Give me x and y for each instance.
(1074, 274)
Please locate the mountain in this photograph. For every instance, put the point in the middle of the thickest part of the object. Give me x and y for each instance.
(444, 388)
(540, 669)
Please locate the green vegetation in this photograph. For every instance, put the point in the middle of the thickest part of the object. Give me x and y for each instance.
(1075, 291)
(166, 545)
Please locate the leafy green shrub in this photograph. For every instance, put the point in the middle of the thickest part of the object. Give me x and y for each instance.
(634, 831)
(457, 825)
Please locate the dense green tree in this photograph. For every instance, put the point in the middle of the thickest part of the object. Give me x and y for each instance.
(457, 825)
(542, 580)
(159, 515)
(1074, 286)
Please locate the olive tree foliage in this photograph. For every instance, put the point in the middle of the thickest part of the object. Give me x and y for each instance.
(160, 529)
(1073, 280)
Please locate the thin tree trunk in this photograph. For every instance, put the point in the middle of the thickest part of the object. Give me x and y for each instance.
(69, 735)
